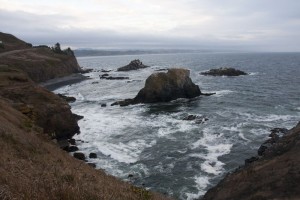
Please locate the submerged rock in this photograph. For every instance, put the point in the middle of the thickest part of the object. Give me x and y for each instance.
(105, 71)
(224, 72)
(165, 87)
(133, 65)
(196, 118)
(107, 77)
(190, 117)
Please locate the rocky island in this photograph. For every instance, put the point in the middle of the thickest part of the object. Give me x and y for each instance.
(224, 71)
(163, 87)
(133, 65)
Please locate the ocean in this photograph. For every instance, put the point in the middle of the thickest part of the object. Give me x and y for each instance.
(150, 145)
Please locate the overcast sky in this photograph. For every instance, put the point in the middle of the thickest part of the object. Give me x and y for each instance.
(262, 25)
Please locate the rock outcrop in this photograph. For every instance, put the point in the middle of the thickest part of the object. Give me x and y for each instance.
(133, 65)
(44, 108)
(164, 87)
(21, 67)
(275, 174)
(40, 64)
(224, 72)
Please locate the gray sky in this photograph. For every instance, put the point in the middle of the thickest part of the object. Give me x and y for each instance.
(261, 25)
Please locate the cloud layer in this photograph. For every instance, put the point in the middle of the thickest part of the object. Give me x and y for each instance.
(262, 25)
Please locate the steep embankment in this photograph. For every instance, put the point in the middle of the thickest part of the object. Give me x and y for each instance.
(32, 166)
(275, 175)
(40, 63)
(43, 108)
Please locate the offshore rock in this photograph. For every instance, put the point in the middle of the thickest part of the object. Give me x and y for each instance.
(165, 87)
(133, 65)
(224, 72)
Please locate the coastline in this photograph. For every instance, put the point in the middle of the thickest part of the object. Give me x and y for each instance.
(33, 119)
(55, 83)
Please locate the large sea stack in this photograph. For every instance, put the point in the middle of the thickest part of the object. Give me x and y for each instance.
(164, 87)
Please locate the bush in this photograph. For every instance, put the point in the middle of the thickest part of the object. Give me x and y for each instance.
(56, 49)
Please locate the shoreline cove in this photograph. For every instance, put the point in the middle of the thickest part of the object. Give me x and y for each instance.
(159, 127)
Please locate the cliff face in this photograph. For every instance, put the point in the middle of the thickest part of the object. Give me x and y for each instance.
(40, 63)
(42, 107)
(275, 175)
(21, 67)
(33, 167)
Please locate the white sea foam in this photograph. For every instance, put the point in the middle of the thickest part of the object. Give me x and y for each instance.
(216, 146)
(237, 129)
(221, 92)
(267, 118)
(201, 182)
(103, 130)
(253, 73)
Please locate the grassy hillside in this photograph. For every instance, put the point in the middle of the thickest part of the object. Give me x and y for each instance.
(10, 42)
(40, 63)
(32, 166)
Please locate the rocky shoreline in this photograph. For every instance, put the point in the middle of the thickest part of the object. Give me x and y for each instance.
(32, 166)
(33, 117)
(273, 174)
(62, 81)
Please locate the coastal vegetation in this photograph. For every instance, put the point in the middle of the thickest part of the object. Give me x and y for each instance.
(33, 121)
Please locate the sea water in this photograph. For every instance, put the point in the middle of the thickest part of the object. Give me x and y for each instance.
(150, 145)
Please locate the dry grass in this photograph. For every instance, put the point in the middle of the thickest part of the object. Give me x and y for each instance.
(32, 167)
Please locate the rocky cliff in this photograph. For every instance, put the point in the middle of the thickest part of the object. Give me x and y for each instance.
(42, 107)
(273, 175)
(32, 166)
(39, 63)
